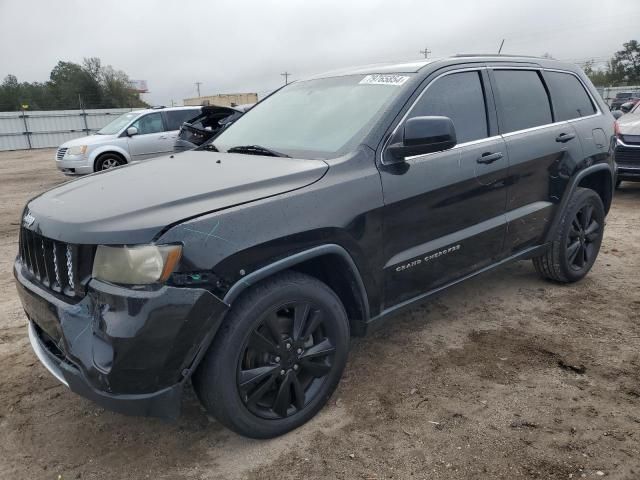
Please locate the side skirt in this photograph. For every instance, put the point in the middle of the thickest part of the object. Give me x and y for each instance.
(380, 319)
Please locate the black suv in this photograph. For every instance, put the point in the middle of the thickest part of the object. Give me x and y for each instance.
(331, 205)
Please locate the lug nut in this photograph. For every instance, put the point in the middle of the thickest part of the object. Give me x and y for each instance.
(277, 359)
(299, 351)
(288, 345)
(282, 372)
(295, 367)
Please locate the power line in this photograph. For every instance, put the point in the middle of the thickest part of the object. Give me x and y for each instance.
(286, 77)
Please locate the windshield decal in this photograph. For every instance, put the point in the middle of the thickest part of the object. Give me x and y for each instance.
(384, 79)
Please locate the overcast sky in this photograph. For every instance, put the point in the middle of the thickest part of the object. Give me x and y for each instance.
(240, 46)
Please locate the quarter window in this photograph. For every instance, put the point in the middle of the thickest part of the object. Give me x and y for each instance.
(151, 123)
(460, 97)
(570, 100)
(524, 100)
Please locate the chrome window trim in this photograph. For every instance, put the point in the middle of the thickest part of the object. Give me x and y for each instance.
(404, 117)
(457, 146)
(503, 135)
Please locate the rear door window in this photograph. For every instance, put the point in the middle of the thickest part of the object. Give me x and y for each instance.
(570, 100)
(460, 97)
(175, 118)
(523, 98)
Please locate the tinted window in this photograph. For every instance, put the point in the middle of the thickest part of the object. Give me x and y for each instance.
(570, 100)
(524, 100)
(460, 97)
(175, 118)
(151, 123)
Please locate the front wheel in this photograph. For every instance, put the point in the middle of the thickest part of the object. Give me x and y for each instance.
(108, 161)
(577, 243)
(278, 356)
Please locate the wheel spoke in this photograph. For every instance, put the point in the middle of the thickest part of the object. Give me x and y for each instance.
(314, 368)
(313, 322)
(260, 392)
(298, 392)
(591, 232)
(585, 255)
(283, 398)
(572, 251)
(300, 316)
(579, 258)
(322, 349)
(586, 214)
(261, 343)
(255, 375)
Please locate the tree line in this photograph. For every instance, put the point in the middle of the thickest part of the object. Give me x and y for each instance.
(622, 69)
(71, 86)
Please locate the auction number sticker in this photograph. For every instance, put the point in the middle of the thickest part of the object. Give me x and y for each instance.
(382, 79)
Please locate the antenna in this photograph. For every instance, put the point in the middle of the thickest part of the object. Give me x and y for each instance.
(286, 77)
(501, 44)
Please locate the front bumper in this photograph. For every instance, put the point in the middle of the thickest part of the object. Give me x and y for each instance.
(78, 165)
(127, 350)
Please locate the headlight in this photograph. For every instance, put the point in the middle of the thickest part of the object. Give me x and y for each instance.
(77, 150)
(136, 265)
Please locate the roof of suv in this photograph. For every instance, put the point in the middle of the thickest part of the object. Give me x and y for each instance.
(415, 66)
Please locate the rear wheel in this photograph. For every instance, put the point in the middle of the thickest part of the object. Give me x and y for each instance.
(577, 241)
(277, 358)
(108, 161)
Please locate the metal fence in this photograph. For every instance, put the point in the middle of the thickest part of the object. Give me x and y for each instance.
(40, 129)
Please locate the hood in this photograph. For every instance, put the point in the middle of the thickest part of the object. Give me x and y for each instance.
(132, 204)
(88, 140)
(629, 124)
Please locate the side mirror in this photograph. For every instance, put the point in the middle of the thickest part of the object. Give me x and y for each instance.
(131, 131)
(617, 114)
(422, 135)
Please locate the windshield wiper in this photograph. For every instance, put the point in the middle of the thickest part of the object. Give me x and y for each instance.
(210, 147)
(256, 150)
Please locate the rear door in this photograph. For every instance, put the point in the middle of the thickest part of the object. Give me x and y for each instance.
(444, 211)
(539, 150)
(152, 139)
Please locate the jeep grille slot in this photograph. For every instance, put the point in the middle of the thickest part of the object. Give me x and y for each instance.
(57, 266)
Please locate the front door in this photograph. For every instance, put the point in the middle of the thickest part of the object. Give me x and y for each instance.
(444, 214)
(152, 139)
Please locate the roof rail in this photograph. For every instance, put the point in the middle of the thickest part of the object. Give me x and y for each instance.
(495, 55)
(158, 107)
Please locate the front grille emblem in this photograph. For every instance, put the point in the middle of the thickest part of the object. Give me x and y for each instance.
(28, 219)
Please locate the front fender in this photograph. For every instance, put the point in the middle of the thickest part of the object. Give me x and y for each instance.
(108, 148)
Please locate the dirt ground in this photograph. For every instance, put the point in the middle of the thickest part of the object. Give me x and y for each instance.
(506, 376)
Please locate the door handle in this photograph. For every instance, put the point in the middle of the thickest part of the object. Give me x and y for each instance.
(565, 137)
(489, 157)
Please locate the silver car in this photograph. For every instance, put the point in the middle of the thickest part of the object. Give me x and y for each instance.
(628, 146)
(131, 137)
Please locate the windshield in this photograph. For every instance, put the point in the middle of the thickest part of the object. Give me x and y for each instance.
(316, 118)
(118, 124)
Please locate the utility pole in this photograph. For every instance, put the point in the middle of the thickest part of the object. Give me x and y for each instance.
(426, 52)
(286, 77)
(198, 87)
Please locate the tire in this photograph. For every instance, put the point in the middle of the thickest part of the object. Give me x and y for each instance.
(107, 161)
(251, 381)
(577, 242)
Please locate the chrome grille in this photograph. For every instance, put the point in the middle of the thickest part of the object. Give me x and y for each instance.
(55, 265)
(61, 152)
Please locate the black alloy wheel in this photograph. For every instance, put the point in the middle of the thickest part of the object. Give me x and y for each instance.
(285, 360)
(277, 357)
(584, 238)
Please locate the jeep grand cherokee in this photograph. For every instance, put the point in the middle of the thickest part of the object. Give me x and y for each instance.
(331, 205)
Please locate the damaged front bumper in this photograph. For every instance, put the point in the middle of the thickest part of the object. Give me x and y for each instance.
(127, 350)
